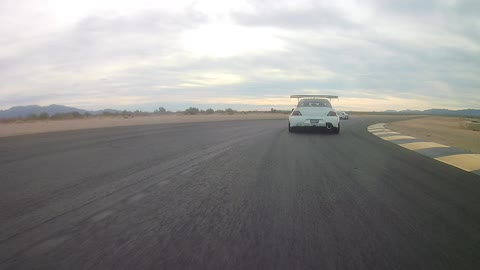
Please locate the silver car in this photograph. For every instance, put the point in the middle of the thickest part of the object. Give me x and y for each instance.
(343, 115)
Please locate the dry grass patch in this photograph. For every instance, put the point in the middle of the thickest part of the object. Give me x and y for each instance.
(452, 131)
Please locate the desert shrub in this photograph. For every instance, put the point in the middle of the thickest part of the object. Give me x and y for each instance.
(31, 116)
(43, 116)
(160, 110)
(192, 110)
(69, 115)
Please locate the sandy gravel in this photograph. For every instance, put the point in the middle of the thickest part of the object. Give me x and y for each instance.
(22, 128)
(451, 131)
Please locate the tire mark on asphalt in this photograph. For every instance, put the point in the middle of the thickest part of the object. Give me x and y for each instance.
(104, 196)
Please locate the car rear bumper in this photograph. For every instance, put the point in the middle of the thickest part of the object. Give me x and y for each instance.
(314, 122)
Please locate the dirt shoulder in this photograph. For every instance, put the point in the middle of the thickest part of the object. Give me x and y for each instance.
(452, 131)
(33, 127)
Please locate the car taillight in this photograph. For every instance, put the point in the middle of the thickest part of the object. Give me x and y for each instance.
(332, 113)
(296, 113)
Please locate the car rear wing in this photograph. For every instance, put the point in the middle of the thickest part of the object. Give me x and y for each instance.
(313, 96)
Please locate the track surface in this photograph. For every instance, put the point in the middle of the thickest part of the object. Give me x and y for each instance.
(232, 195)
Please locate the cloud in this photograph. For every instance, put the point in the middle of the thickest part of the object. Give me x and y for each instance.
(310, 17)
(393, 53)
(258, 52)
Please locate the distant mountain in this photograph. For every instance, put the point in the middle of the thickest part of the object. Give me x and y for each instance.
(24, 111)
(466, 112)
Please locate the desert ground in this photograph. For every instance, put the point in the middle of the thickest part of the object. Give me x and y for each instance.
(457, 132)
(34, 127)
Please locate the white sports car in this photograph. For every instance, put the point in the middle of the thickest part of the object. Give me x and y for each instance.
(314, 111)
(343, 115)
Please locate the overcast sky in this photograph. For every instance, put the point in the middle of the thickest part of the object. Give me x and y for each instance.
(376, 55)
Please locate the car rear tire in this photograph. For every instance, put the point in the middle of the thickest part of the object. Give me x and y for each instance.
(337, 129)
(290, 129)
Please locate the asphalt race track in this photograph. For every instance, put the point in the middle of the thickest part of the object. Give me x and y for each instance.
(232, 195)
